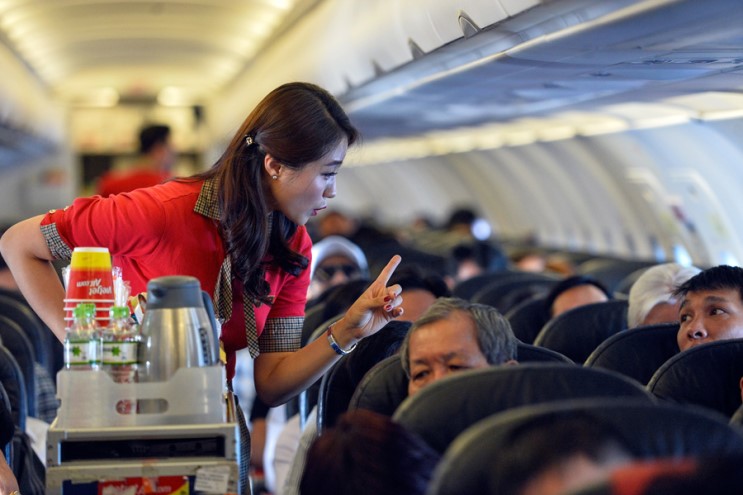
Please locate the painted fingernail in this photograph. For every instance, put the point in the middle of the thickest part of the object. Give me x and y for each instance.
(388, 307)
(387, 299)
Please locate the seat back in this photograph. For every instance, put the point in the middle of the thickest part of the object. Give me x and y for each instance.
(527, 353)
(12, 380)
(444, 409)
(313, 318)
(339, 383)
(385, 386)
(382, 389)
(577, 332)
(506, 294)
(7, 428)
(708, 375)
(39, 336)
(621, 291)
(637, 352)
(527, 318)
(15, 340)
(649, 430)
(307, 399)
(466, 289)
(611, 271)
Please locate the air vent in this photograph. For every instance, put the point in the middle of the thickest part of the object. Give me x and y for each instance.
(378, 70)
(467, 25)
(415, 50)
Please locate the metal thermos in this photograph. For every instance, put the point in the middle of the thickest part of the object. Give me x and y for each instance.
(178, 328)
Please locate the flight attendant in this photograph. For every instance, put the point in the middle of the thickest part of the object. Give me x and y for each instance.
(237, 227)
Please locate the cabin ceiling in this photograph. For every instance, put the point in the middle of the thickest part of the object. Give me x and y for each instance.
(86, 51)
(492, 61)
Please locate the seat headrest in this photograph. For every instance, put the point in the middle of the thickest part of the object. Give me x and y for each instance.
(649, 430)
(505, 294)
(20, 346)
(637, 352)
(382, 389)
(577, 332)
(23, 315)
(708, 375)
(442, 410)
(340, 382)
(11, 378)
(527, 319)
(527, 353)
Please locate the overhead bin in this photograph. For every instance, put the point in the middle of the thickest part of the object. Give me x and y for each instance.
(342, 45)
(31, 123)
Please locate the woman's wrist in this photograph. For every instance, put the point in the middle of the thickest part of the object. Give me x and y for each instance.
(340, 338)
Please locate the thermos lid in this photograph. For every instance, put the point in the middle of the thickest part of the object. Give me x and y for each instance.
(178, 291)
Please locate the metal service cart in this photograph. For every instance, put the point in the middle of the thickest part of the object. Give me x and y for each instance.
(185, 444)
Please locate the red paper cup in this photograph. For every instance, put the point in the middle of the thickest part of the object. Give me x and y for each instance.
(90, 281)
(90, 275)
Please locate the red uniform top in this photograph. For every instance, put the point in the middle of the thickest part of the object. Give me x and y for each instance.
(171, 229)
(119, 182)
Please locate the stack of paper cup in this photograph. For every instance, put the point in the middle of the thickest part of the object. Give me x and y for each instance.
(90, 281)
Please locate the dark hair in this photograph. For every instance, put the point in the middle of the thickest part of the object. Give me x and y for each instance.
(486, 255)
(152, 135)
(716, 278)
(567, 284)
(413, 277)
(366, 453)
(542, 443)
(296, 123)
(461, 216)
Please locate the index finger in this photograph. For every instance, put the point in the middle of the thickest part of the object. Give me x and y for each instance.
(387, 271)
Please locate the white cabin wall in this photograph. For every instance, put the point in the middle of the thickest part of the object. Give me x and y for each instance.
(668, 193)
(396, 193)
(703, 173)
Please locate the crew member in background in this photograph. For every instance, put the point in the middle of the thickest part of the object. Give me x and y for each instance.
(153, 167)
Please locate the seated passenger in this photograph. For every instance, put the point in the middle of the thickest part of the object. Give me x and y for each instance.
(471, 259)
(335, 260)
(529, 260)
(455, 335)
(573, 292)
(368, 453)
(419, 290)
(651, 297)
(720, 475)
(452, 335)
(711, 307)
(558, 454)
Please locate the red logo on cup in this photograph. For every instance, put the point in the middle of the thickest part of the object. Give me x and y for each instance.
(90, 280)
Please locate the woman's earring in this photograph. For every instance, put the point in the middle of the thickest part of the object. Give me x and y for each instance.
(274, 177)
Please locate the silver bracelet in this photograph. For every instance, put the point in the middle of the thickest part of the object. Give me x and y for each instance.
(334, 345)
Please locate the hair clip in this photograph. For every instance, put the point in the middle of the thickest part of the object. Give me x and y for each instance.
(249, 140)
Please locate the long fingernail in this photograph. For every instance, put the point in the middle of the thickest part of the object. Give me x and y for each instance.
(387, 299)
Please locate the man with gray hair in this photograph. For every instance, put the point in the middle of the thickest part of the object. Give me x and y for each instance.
(455, 335)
